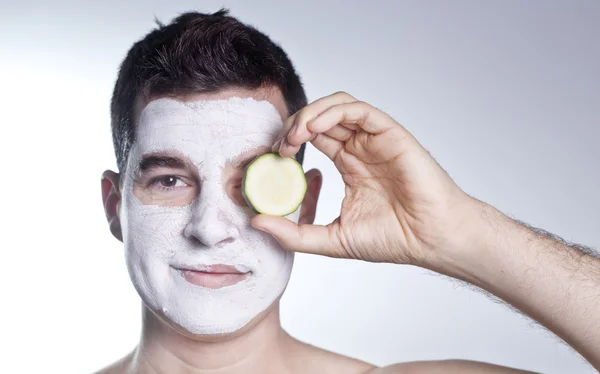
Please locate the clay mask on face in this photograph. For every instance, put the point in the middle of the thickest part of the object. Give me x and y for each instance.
(212, 230)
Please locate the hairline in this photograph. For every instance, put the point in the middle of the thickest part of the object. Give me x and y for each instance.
(141, 101)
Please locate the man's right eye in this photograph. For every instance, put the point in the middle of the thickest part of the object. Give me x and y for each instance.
(168, 182)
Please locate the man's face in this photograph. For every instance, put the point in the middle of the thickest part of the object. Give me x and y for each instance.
(190, 249)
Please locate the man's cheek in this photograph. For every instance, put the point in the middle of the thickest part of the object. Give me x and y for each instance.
(155, 233)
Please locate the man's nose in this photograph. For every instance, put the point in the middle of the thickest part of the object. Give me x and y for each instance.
(210, 227)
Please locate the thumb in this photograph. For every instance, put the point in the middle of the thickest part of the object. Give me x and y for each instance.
(314, 239)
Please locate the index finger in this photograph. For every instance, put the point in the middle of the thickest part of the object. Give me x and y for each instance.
(297, 122)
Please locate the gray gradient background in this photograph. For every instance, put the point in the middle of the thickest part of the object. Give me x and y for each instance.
(505, 95)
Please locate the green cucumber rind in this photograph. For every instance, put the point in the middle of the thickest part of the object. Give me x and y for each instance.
(247, 198)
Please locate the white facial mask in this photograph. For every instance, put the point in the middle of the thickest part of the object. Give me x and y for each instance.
(212, 229)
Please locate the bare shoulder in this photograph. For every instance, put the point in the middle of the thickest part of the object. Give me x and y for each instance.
(446, 367)
(312, 359)
(306, 358)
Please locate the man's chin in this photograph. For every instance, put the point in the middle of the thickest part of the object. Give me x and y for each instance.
(158, 321)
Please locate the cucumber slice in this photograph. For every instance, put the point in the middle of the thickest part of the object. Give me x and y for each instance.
(274, 185)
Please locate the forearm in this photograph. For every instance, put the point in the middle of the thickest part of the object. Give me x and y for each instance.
(555, 283)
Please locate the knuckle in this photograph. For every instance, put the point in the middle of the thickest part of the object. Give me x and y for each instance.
(346, 95)
(363, 105)
(302, 118)
(343, 95)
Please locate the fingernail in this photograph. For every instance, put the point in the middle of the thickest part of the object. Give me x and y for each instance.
(293, 130)
(263, 230)
(283, 144)
(277, 144)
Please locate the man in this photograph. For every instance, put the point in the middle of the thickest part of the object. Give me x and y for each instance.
(199, 98)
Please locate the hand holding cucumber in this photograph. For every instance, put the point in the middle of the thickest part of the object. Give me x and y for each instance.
(400, 205)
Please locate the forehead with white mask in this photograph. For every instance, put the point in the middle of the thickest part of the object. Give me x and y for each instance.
(190, 250)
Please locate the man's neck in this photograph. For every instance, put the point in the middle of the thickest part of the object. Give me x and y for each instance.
(258, 349)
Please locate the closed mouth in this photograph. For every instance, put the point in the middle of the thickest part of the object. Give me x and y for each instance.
(213, 276)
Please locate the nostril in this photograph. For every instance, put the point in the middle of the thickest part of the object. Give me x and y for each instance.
(223, 243)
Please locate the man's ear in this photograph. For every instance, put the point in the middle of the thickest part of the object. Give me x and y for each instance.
(308, 210)
(111, 197)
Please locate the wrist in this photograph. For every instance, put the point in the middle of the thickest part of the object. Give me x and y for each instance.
(468, 252)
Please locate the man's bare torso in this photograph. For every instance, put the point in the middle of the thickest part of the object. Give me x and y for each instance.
(306, 359)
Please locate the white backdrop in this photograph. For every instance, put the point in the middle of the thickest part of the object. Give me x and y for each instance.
(505, 95)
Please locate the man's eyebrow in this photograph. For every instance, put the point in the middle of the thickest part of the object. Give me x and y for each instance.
(157, 160)
(241, 163)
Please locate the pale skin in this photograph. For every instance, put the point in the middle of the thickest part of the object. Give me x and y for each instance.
(400, 207)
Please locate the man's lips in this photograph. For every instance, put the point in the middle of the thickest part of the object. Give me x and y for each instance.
(213, 276)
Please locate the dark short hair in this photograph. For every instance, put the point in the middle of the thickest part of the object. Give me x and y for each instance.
(198, 53)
